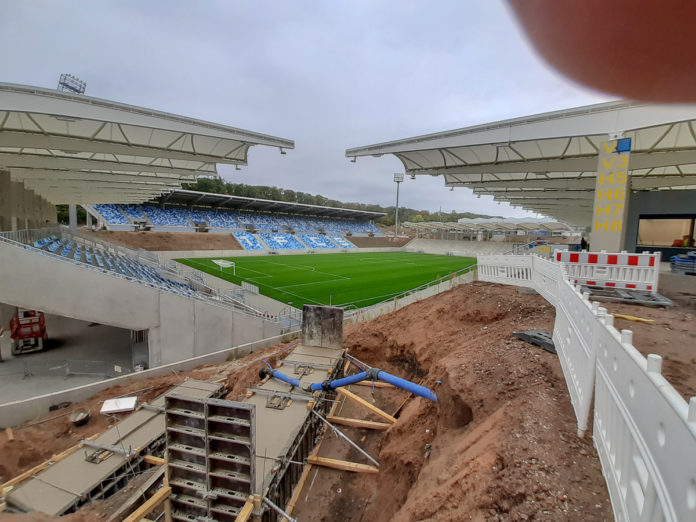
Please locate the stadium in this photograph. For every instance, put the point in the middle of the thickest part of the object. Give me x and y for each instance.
(178, 354)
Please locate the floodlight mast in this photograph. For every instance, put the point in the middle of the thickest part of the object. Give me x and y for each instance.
(398, 178)
(70, 83)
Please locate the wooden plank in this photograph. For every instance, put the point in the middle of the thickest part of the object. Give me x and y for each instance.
(155, 461)
(364, 403)
(45, 464)
(359, 423)
(245, 513)
(148, 506)
(342, 465)
(10, 434)
(377, 384)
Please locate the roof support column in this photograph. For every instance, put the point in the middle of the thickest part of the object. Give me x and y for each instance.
(72, 216)
(611, 196)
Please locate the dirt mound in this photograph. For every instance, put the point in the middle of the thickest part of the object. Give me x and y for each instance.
(157, 241)
(501, 442)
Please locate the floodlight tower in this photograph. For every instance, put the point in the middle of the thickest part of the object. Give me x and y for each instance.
(398, 178)
(70, 83)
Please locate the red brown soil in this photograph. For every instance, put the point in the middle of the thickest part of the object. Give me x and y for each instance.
(672, 336)
(503, 435)
(54, 433)
(159, 241)
(503, 442)
(379, 242)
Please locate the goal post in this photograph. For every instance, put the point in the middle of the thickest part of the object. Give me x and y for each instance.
(224, 263)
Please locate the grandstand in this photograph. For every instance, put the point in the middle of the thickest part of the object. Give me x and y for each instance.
(256, 223)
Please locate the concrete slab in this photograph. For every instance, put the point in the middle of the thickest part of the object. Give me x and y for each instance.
(56, 489)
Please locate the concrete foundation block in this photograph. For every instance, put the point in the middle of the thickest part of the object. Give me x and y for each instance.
(322, 326)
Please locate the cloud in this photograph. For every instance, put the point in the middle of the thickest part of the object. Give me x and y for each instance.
(330, 75)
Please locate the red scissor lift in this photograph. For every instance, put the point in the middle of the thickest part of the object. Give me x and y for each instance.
(28, 331)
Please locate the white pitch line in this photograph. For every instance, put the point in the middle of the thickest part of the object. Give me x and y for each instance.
(311, 269)
(307, 284)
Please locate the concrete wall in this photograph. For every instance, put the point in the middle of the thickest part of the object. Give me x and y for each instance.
(17, 412)
(21, 208)
(662, 203)
(179, 327)
(462, 248)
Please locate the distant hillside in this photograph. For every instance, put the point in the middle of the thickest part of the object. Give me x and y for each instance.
(218, 186)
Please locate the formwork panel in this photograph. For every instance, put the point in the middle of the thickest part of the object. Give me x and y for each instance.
(211, 460)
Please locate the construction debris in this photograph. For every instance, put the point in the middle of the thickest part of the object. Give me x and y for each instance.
(538, 338)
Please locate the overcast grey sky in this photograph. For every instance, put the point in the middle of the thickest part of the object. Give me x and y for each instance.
(328, 74)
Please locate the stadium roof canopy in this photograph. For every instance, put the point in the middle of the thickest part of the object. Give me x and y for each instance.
(71, 148)
(225, 201)
(474, 225)
(546, 163)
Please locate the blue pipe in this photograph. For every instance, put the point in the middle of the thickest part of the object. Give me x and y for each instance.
(412, 387)
(285, 378)
(372, 373)
(409, 386)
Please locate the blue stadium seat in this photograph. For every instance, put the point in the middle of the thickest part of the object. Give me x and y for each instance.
(316, 241)
(280, 241)
(248, 241)
(111, 214)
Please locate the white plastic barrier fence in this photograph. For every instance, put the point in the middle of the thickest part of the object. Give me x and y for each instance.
(623, 271)
(506, 269)
(644, 431)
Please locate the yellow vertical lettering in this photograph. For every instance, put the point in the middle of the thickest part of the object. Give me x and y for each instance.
(602, 194)
(609, 146)
(608, 162)
(620, 194)
(616, 225)
(603, 210)
(618, 207)
(623, 161)
(601, 225)
(609, 178)
(620, 177)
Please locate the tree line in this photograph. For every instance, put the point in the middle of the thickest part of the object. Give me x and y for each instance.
(218, 186)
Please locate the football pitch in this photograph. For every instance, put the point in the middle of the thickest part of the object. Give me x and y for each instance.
(360, 279)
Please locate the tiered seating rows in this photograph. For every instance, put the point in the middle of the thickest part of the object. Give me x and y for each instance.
(248, 241)
(110, 261)
(281, 241)
(181, 217)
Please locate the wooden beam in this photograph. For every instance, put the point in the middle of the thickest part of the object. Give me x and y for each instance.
(148, 506)
(154, 461)
(377, 384)
(342, 465)
(245, 513)
(359, 423)
(55, 458)
(374, 409)
(10, 434)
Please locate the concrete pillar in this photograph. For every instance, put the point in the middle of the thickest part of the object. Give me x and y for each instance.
(612, 190)
(89, 219)
(322, 326)
(72, 216)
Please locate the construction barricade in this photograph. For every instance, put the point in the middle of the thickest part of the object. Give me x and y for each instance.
(622, 271)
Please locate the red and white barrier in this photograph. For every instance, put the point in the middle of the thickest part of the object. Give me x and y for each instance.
(623, 271)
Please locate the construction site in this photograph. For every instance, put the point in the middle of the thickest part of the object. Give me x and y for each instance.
(236, 441)
(197, 356)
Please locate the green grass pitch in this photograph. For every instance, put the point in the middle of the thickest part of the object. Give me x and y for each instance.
(361, 279)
